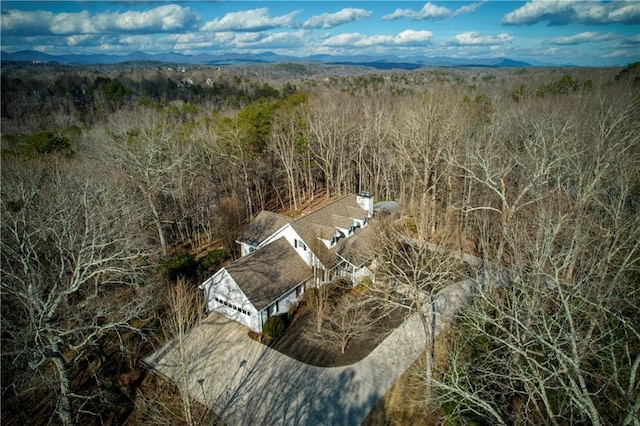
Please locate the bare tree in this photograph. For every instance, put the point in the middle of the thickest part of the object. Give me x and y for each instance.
(372, 165)
(289, 143)
(349, 319)
(426, 127)
(149, 152)
(317, 299)
(331, 131)
(184, 313)
(72, 264)
(409, 274)
(555, 344)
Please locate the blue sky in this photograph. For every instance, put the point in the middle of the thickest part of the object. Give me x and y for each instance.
(590, 33)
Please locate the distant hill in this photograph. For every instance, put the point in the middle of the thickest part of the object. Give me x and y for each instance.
(379, 62)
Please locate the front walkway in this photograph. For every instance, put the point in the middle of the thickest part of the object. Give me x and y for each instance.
(245, 382)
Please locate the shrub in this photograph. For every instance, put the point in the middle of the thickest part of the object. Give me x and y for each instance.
(182, 264)
(274, 326)
(214, 258)
(48, 141)
(364, 285)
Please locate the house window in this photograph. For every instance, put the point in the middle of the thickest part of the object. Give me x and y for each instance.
(271, 310)
(300, 244)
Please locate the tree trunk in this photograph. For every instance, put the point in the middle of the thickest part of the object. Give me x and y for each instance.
(64, 404)
(428, 352)
(157, 222)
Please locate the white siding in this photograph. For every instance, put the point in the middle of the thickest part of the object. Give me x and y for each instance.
(288, 300)
(365, 201)
(291, 236)
(361, 273)
(245, 249)
(223, 295)
(359, 222)
(326, 243)
(345, 231)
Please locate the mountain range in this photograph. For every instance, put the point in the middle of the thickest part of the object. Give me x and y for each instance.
(380, 62)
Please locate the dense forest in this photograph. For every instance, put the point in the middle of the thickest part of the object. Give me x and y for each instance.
(118, 180)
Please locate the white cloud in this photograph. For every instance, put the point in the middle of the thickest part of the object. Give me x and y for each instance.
(632, 40)
(72, 23)
(83, 39)
(250, 20)
(21, 22)
(405, 38)
(235, 41)
(584, 37)
(413, 37)
(618, 53)
(278, 41)
(171, 17)
(139, 42)
(330, 20)
(470, 8)
(399, 13)
(431, 11)
(474, 38)
(562, 12)
(164, 18)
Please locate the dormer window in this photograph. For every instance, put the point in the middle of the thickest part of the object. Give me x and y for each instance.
(299, 244)
(336, 236)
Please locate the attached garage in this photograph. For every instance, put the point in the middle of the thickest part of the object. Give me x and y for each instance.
(261, 284)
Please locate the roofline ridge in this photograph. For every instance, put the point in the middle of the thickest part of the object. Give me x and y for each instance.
(275, 214)
(243, 260)
(323, 207)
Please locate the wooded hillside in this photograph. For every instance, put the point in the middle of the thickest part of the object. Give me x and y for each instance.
(114, 183)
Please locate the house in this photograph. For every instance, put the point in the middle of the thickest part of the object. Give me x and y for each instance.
(282, 256)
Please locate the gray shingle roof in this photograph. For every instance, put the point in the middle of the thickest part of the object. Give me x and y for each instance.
(357, 212)
(268, 273)
(329, 216)
(341, 221)
(263, 226)
(355, 249)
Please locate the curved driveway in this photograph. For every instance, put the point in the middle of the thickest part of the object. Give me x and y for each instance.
(247, 383)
